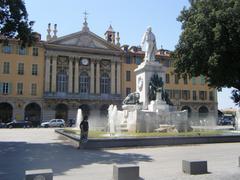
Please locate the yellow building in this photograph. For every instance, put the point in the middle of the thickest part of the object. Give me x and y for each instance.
(192, 94)
(21, 81)
(82, 70)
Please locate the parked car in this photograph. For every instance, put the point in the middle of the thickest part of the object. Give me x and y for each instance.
(71, 122)
(53, 123)
(227, 119)
(19, 124)
(2, 125)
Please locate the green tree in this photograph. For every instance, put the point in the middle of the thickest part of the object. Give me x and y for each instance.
(209, 44)
(14, 21)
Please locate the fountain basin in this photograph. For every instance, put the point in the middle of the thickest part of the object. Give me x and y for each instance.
(120, 142)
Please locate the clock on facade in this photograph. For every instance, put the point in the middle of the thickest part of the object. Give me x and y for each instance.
(85, 62)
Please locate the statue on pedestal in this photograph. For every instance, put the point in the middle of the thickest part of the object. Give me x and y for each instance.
(149, 41)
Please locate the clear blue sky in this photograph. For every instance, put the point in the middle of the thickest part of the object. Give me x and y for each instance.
(129, 18)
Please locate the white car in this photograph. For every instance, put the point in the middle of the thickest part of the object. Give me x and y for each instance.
(53, 123)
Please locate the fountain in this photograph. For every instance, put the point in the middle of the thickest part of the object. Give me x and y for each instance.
(78, 118)
(114, 117)
(149, 108)
(111, 115)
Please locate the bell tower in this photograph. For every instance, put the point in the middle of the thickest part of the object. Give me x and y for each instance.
(110, 35)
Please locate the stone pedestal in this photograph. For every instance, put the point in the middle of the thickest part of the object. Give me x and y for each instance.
(144, 72)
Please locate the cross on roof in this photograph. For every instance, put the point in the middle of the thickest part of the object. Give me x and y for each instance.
(85, 15)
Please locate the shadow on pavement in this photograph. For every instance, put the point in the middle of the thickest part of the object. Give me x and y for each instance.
(16, 157)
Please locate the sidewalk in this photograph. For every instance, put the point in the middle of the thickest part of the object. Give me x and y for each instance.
(25, 149)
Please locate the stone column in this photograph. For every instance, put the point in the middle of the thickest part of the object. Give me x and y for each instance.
(118, 78)
(112, 77)
(70, 75)
(92, 77)
(76, 81)
(54, 73)
(98, 78)
(47, 74)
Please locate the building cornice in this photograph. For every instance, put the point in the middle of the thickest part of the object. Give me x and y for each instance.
(77, 49)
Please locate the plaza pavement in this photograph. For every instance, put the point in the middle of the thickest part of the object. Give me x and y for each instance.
(25, 149)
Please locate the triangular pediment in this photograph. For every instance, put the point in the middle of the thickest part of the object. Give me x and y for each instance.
(85, 39)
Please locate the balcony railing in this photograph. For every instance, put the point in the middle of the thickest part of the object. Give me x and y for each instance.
(62, 95)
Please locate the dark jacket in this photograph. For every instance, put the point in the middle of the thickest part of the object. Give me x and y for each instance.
(84, 125)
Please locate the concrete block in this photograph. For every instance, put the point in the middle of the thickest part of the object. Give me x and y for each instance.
(39, 174)
(239, 161)
(125, 172)
(194, 167)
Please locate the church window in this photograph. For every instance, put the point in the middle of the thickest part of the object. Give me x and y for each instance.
(105, 84)
(84, 83)
(62, 81)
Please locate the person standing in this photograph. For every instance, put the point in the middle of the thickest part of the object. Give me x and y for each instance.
(84, 129)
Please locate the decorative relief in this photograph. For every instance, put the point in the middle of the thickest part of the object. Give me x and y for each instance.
(85, 41)
(62, 61)
(105, 64)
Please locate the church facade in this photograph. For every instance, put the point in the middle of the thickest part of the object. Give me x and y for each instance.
(82, 70)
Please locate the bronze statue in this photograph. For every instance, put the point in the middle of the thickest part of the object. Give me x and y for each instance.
(156, 85)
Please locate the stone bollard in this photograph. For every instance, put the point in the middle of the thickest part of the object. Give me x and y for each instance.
(194, 167)
(41, 174)
(125, 172)
(239, 161)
